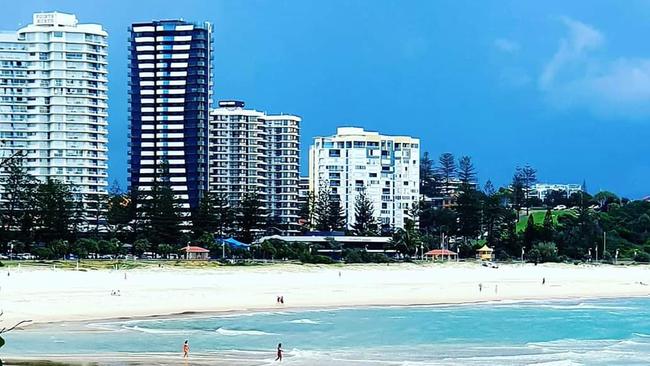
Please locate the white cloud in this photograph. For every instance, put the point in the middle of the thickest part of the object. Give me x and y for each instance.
(576, 77)
(506, 45)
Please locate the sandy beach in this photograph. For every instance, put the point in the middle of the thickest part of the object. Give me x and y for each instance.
(52, 295)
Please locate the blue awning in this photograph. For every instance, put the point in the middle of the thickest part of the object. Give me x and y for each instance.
(233, 243)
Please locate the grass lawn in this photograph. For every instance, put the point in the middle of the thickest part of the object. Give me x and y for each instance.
(538, 216)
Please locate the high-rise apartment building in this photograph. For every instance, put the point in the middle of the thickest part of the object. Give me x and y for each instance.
(53, 101)
(170, 93)
(251, 151)
(386, 168)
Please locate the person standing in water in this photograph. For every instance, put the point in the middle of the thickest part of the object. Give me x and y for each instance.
(186, 349)
(279, 358)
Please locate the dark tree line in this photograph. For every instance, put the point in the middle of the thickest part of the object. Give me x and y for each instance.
(456, 214)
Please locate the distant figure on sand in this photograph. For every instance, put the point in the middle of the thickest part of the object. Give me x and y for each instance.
(279, 358)
(480, 287)
(281, 299)
(543, 280)
(186, 349)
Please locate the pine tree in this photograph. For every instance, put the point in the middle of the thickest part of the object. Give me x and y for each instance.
(548, 228)
(365, 222)
(428, 179)
(119, 213)
(530, 233)
(159, 211)
(447, 169)
(18, 193)
(466, 170)
(322, 208)
(335, 216)
(54, 210)
(250, 217)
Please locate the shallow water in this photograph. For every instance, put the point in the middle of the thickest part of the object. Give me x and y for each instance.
(588, 332)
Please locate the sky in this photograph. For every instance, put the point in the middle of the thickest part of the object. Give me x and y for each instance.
(561, 85)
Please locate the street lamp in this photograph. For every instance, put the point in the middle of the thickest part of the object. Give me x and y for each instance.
(616, 256)
(523, 249)
(589, 254)
(596, 254)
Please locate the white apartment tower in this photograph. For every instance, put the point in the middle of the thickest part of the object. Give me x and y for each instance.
(387, 168)
(53, 85)
(251, 151)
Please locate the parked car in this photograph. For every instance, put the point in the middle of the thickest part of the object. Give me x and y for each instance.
(559, 207)
(3, 257)
(26, 256)
(106, 256)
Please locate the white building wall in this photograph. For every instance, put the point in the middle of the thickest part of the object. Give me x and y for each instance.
(53, 101)
(387, 168)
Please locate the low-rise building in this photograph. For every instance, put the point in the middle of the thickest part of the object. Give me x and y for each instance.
(542, 190)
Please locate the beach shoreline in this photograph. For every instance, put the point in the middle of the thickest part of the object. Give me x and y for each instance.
(48, 296)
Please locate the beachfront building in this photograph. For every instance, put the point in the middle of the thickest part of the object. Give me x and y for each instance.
(252, 151)
(386, 168)
(447, 193)
(170, 78)
(53, 102)
(542, 190)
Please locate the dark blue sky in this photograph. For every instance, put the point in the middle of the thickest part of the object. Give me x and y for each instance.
(564, 86)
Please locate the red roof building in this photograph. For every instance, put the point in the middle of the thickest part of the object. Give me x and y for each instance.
(193, 252)
(441, 254)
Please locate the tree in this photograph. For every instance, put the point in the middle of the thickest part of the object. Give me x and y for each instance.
(488, 188)
(141, 246)
(97, 204)
(468, 209)
(548, 228)
(428, 180)
(322, 207)
(466, 170)
(307, 212)
(335, 215)
(528, 178)
(605, 198)
(406, 240)
(54, 207)
(365, 222)
(18, 191)
(205, 218)
(530, 233)
(119, 209)
(518, 190)
(446, 170)
(160, 210)
(250, 217)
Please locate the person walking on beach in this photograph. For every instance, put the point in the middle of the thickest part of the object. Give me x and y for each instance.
(186, 349)
(543, 280)
(279, 358)
(480, 287)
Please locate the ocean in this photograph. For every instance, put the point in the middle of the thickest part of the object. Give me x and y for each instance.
(576, 332)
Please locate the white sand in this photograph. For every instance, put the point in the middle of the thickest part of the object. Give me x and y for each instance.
(47, 295)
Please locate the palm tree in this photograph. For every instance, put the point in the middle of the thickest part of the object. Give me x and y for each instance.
(406, 240)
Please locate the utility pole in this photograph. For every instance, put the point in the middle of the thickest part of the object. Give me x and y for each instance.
(604, 242)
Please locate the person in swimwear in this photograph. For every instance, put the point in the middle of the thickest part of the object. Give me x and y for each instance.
(186, 349)
(279, 358)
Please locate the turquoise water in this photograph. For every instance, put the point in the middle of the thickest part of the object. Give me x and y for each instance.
(586, 332)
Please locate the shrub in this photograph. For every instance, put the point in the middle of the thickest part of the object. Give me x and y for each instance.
(642, 257)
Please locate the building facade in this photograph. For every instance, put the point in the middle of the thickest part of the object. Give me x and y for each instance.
(251, 151)
(387, 168)
(170, 78)
(53, 102)
(541, 190)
